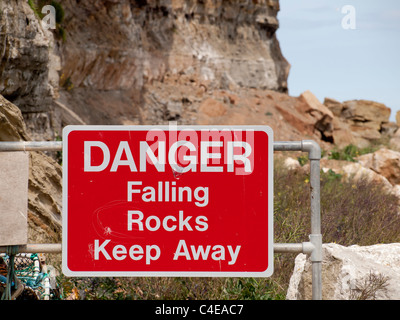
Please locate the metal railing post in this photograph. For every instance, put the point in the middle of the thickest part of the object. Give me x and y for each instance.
(314, 247)
(314, 155)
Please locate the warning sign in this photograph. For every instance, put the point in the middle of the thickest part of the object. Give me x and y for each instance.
(167, 201)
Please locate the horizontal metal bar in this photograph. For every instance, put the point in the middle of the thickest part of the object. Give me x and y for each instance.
(305, 247)
(310, 146)
(36, 248)
(288, 146)
(57, 248)
(288, 247)
(57, 146)
(30, 145)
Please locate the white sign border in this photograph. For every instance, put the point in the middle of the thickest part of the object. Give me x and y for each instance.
(70, 273)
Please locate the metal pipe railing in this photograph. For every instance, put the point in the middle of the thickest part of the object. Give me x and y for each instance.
(36, 247)
(313, 247)
(56, 248)
(314, 155)
(304, 247)
(30, 146)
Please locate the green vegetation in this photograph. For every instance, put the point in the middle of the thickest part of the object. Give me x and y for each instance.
(60, 31)
(352, 212)
(66, 83)
(59, 11)
(303, 159)
(34, 7)
(350, 152)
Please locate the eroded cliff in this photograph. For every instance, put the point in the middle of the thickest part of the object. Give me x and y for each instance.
(123, 62)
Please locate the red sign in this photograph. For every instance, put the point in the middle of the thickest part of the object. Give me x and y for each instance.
(167, 201)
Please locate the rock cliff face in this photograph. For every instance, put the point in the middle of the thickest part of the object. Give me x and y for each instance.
(134, 62)
(28, 66)
(138, 61)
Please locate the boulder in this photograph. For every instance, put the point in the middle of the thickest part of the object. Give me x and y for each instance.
(291, 163)
(359, 122)
(366, 113)
(335, 106)
(350, 273)
(355, 171)
(342, 134)
(315, 106)
(385, 162)
(321, 113)
(389, 128)
(366, 119)
(12, 125)
(394, 142)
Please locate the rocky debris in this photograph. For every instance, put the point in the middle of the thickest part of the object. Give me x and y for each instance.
(381, 167)
(394, 141)
(354, 170)
(343, 136)
(44, 199)
(12, 125)
(321, 113)
(45, 180)
(385, 162)
(354, 272)
(359, 122)
(369, 114)
(191, 104)
(291, 163)
(398, 118)
(357, 172)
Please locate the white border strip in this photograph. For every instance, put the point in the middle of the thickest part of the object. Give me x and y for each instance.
(267, 273)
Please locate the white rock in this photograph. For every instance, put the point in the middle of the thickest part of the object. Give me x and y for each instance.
(386, 162)
(347, 271)
(291, 163)
(358, 171)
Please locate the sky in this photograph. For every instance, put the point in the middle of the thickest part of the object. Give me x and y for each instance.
(343, 50)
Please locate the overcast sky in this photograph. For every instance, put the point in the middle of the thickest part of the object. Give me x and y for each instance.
(343, 52)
